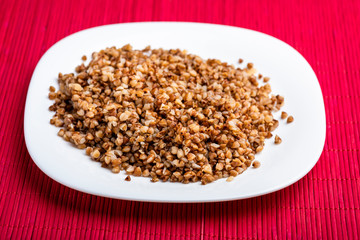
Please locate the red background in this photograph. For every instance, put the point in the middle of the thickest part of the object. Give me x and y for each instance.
(322, 205)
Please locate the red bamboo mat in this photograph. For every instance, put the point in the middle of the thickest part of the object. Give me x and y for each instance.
(325, 204)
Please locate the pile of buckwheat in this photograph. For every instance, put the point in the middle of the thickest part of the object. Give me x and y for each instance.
(166, 114)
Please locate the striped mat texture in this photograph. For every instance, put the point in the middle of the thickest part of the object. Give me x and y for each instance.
(325, 204)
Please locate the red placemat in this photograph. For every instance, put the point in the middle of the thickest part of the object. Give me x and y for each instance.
(323, 205)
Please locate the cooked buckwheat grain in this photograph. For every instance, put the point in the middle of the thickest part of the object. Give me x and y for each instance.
(165, 114)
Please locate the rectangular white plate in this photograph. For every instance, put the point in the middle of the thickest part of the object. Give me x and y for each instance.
(281, 165)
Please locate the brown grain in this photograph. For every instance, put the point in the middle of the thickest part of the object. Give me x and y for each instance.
(165, 114)
(290, 119)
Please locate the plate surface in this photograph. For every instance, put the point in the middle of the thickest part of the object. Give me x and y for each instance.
(281, 165)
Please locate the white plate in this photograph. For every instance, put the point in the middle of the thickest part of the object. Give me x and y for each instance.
(281, 165)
